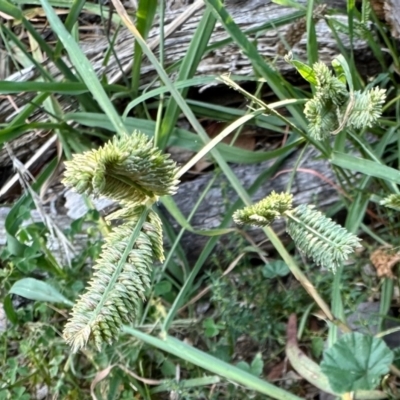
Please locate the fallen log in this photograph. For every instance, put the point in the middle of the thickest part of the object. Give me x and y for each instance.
(256, 17)
(314, 183)
(252, 16)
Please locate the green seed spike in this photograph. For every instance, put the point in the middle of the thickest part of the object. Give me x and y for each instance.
(265, 211)
(129, 169)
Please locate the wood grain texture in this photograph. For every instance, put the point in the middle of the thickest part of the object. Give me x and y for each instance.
(392, 16)
(250, 15)
(311, 185)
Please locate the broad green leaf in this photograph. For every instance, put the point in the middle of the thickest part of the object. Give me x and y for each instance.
(244, 366)
(34, 289)
(304, 70)
(257, 365)
(211, 328)
(162, 287)
(356, 362)
(274, 269)
(317, 346)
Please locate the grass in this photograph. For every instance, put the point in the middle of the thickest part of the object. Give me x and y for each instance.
(152, 358)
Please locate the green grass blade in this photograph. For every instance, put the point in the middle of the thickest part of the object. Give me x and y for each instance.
(71, 19)
(387, 291)
(84, 67)
(26, 52)
(9, 9)
(187, 69)
(144, 20)
(173, 209)
(209, 363)
(367, 167)
(14, 131)
(163, 89)
(312, 44)
(275, 80)
(228, 114)
(20, 118)
(188, 383)
(201, 260)
(14, 220)
(184, 138)
(67, 88)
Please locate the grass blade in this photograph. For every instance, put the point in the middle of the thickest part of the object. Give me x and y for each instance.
(275, 81)
(204, 360)
(84, 67)
(144, 20)
(367, 167)
(187, 69)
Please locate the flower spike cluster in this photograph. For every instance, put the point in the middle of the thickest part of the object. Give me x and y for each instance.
(127, 169)
(130, 170)
(334, 107)
(265, 211)
(320, 238)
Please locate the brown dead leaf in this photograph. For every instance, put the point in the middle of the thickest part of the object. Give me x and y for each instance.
(98, 378)
(378, 7)
(277, 371)
(384, 259)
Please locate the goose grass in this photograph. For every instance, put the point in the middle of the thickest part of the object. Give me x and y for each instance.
(348, 109)
(333, 107)
(265, 211)
(130, 170)
(320, 238)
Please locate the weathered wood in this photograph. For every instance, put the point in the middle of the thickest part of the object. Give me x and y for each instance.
(392, 16)
(250, 15)
(311, 185)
